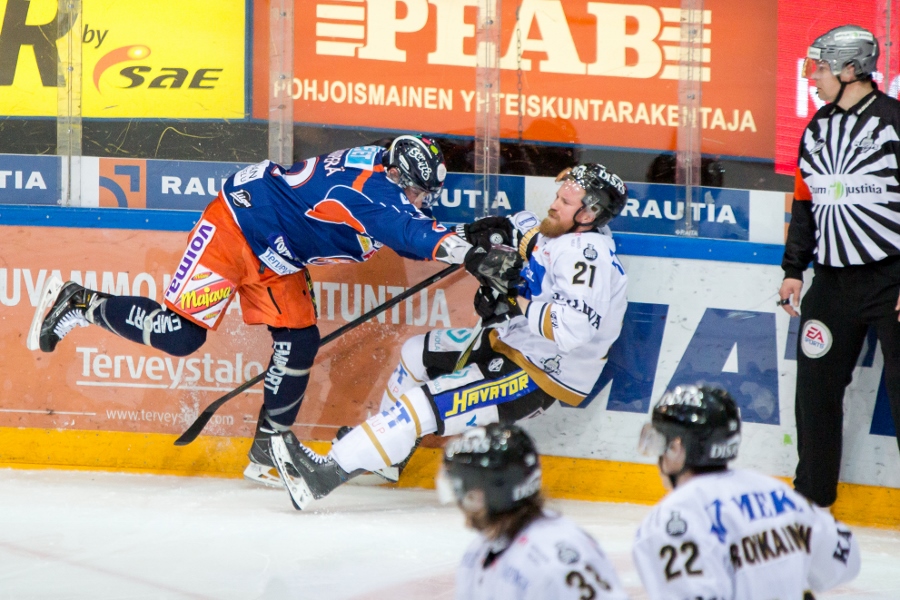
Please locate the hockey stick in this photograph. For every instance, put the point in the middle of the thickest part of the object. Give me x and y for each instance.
(203, 418)
(467, 351)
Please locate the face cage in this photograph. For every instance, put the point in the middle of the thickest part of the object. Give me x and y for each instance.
(429, 199)
(652, 443)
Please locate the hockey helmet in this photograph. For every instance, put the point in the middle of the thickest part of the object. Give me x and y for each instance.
(706, 418)
(847, 44)
(499, 460)
(421, 164)
(605, 193)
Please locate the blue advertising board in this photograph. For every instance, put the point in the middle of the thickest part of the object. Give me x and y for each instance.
(27, 179)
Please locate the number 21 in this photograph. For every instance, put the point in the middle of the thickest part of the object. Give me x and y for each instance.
(581, 269)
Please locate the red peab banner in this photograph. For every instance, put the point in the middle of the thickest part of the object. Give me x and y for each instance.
(95, 380)
(573, 71)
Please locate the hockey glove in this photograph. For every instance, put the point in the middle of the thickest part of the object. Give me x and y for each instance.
(493, 230)
(495, 308)
(497, 267)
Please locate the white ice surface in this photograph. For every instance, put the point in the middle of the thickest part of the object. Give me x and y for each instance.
(100, 536)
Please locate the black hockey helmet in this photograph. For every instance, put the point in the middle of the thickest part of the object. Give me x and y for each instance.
(706, 418)
(847, 44)
(500, 460)
(605, 193)
(421, 164)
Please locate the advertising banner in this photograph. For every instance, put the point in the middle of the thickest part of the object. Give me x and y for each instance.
(591, 73)
(687, 320)
(98, 381)
(658, 209)
(28, 179)
(139, 59)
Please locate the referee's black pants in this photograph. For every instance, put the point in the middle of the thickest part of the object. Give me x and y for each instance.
(846, 301)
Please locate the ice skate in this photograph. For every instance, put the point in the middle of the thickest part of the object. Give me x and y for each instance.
(261, 469)
(306, 475)
(69, 304)
(392, 474)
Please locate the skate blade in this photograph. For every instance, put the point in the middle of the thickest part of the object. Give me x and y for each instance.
(389, 474)
(371, 479)
(262, 475)
(296, 488)
(48, 295)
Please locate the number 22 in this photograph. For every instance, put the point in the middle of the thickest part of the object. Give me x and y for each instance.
(687, 547)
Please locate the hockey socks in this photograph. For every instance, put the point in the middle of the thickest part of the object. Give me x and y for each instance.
(388, 437)
(145, 321)
(293, 353)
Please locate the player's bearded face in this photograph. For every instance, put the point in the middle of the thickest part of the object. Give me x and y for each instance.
(560, 217)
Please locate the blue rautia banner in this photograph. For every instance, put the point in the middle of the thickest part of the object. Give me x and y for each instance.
(659, 209)
(185, 185)
(29, 179)
(462, 197)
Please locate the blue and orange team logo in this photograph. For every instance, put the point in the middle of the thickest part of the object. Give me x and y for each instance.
(114, 57)
(334, 211)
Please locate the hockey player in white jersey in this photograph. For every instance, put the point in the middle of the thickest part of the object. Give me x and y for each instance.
(520, 363)
(523, 552)
(729, 534)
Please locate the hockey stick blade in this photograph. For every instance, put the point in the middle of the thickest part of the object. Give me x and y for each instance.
(48, 295)
(204, 417)
(296, 488)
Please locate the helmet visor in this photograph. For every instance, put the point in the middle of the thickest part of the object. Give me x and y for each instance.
(811, 65)
(652, 442)
(446, 490)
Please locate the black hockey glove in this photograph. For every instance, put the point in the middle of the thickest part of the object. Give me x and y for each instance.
(497, 267)
(493, 230)
(495, 308)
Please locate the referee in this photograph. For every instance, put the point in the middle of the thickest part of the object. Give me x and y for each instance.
(845, 217)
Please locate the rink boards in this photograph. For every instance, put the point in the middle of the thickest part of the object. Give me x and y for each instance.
(101, 402)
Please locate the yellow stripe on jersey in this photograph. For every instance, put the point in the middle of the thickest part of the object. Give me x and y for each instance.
(376, 443)
(390, 395)
(525, 240)
(408, 372)
(547, 323)
(558, 391)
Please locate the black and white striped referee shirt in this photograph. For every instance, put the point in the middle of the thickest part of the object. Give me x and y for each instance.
(848, 177)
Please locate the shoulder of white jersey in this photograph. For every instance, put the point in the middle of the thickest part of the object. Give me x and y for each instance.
(673, 515)
(589, 246)
(557, 542)
(738, 479)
